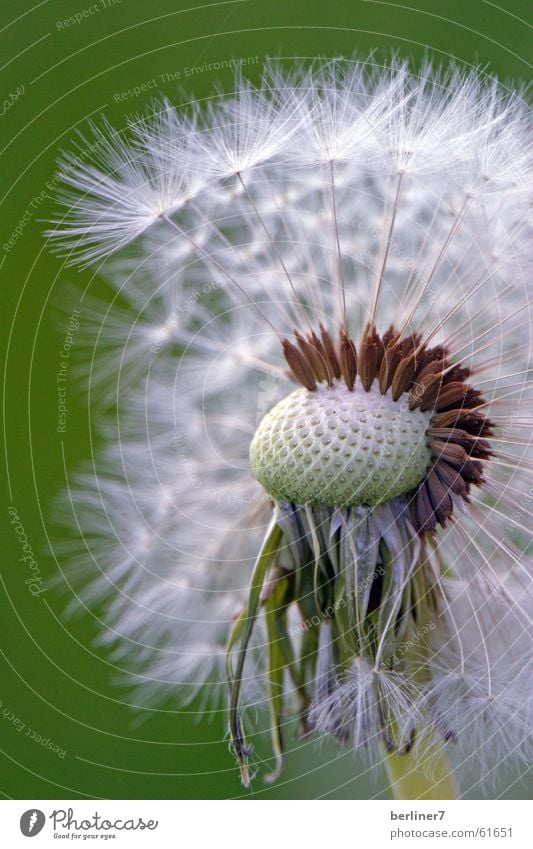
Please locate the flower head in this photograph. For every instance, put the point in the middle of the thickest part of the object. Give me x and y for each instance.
(359, 233)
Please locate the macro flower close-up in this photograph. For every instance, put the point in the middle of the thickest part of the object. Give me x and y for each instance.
(309, 501)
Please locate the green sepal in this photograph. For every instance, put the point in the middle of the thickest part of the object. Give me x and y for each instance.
(280, 658)
(241, 633)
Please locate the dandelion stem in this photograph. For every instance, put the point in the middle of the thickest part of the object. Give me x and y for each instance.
(420, 774)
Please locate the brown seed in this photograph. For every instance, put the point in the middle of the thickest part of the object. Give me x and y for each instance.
(298, 365)
(447, 433)
(370, 356)
(450, 417)
(440, 497)
(348, 360)
(424, 513)
(431, 368)
(449, 451)
(471, 472)
(451, 393)
(331, 353)
(424, 391)
(428, 356)
(473, 445)
(322, 359)
(403, 375)
(389, 336)
(389, 364)
(451, 478)
(312, 356)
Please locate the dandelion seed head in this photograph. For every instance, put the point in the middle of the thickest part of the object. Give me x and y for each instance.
(340, 255)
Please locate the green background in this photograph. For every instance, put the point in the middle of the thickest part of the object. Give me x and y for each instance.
(53, 678)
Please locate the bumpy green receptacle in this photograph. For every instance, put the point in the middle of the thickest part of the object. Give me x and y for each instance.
(338, 448)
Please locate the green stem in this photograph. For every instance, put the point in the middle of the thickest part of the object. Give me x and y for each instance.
(420, 774)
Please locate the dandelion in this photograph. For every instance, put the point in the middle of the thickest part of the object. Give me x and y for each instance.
(315, 489)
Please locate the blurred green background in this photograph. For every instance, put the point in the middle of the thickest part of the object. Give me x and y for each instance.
(53, 679)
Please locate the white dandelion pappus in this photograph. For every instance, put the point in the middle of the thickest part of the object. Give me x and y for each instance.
(106, 169)
(361, 232)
